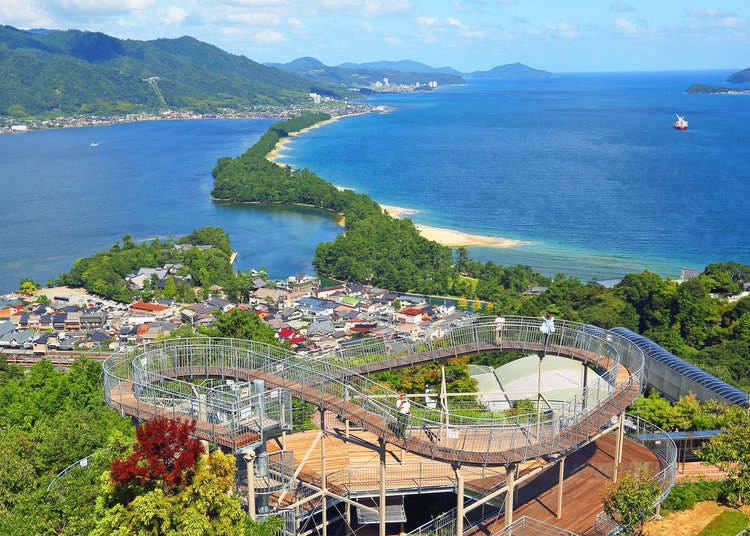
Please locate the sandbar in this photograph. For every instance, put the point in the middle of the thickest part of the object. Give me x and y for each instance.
(445, 237)
(275, 154)
(451, 238)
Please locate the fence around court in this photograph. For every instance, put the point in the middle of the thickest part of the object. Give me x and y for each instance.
(173, 377)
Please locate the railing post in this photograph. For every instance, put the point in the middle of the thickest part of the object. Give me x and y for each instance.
(381, 495)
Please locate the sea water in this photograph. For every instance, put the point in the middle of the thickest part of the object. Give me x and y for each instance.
(586, 168)
(64, 198)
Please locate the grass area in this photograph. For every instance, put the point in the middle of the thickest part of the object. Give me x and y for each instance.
(727, 523)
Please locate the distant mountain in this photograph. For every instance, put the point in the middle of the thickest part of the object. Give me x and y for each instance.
(358, 77)
(740, 77)
(511, 70)
(53, 72)
(406, 66)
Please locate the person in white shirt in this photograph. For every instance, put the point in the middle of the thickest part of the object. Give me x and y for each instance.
(499, 325)
(548, 328)
(404, 409)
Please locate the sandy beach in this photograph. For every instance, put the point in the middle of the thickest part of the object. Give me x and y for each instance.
(449, 237)
(275, 155)
(445, 237)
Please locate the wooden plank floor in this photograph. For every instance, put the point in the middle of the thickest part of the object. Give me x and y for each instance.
(587, 473)
(353, 466)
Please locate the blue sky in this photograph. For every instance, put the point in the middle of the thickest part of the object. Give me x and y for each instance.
(557, 35)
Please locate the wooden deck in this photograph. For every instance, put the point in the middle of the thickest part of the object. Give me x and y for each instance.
(587, 473)
(354, 467)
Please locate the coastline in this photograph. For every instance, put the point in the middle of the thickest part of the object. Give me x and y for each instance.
(275, 154)
(450, 237)
(444, 237)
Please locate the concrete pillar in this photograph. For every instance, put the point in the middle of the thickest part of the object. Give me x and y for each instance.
(459, 501)
(510, 477)
(560, 482)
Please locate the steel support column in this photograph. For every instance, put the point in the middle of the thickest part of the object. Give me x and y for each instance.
(560, 482)
(510, 477)
(381, 495)
(619, 446)
(250, 464)
(459, 501)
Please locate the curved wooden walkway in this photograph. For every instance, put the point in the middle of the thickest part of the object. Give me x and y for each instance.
(475, 445)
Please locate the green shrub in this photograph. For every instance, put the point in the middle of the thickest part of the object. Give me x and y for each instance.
(684, 496)
(727, 523)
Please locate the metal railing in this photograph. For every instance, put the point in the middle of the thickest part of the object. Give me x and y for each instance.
(527, 526)
(657, 441)
(147, 380)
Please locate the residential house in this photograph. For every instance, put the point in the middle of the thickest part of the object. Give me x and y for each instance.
(92, 319)
(410, 315)
(329, 292)
(144, 309)
(224, 305)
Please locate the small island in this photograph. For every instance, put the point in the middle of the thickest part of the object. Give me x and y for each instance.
(716, 90)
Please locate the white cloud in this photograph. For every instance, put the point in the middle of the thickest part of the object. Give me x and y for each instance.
(621, 7)
(392, 40)
(366, 26)
(104, 5)
(377, 8)
(254, 18)
(708, 13)
(24, 14)
(173, 15)
(562, 29)
(295, 23)
(453, 22)
(626, 26)
(714, 18)
(269, 36)
(427, 21)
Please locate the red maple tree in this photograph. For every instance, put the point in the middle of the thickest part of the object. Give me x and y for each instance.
(164, 454)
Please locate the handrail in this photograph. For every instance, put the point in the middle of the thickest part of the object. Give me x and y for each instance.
(324, 381)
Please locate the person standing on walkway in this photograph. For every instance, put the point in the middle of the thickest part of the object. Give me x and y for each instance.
(548, 328)
(404, 409)
(499, 325)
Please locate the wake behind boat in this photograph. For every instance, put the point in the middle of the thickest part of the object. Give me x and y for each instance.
(680, 123)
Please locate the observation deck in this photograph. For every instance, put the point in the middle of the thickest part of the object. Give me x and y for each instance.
(178, 378)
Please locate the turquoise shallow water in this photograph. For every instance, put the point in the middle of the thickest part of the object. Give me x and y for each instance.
(587, 167)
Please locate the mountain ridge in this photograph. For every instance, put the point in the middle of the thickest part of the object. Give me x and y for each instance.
(72, 71)
(314, 69)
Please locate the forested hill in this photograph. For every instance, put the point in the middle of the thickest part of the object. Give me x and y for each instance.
(360, 77)
(511, 70)
(66, 72)
(740, 77)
